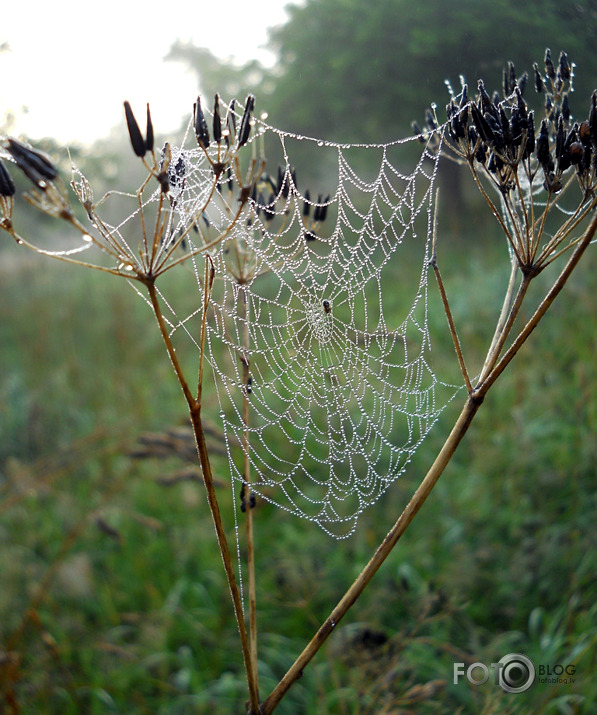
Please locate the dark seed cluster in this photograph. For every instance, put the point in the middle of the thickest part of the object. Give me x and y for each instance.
(230, 135)
(140, 146)
(36, 166)
(500, 133)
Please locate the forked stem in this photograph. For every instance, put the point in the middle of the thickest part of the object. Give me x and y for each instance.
(460, 428)
(248, 500)
(212, 499)
(458, 431)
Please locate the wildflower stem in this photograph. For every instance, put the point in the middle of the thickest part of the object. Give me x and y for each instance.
(559, 283)
(212, 499)
(505, 311)
(247, 482)
(445, 302)
(501, 335)
(460, 428)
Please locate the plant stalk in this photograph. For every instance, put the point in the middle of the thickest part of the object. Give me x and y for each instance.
(212, 499)
(460, 428)
(247, 489)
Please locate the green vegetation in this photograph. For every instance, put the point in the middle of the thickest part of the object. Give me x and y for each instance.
(112, 594)
(133, 617)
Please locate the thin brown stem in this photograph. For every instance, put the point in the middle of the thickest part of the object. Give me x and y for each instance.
(559, 283)
(505, 311)
(460, 428)
(212, 499)
(248, 501)
(442, 291)
(458, 431)
(498, 344)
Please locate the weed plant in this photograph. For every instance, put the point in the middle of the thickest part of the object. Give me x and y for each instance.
(112, 597)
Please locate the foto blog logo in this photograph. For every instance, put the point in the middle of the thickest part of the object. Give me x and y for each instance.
(514, 673)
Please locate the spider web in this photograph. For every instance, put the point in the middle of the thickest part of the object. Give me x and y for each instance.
(324, 386)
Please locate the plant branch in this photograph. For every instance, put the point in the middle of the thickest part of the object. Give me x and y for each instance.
(248, 500)
(212, 499)
(460, 428)
(442, 291)
(559, 283)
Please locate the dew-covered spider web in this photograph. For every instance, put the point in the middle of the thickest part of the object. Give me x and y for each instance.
(317, 331)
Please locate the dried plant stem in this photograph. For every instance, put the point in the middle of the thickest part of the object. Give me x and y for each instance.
(501, 336)
(212, 499)
(247, 490)
(458, 431)
(442, 291)
(559, 283)
(460, 428)
(506, 306)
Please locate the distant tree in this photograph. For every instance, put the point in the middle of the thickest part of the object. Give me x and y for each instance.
(355, 71)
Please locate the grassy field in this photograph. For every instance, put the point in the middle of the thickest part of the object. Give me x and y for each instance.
(112, 596)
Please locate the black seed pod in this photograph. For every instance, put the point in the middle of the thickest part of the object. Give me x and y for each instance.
(323, 209)
(507, 89)
(543, 155)
(245, 123)
(430, 120)
(306, 204)
(418, 132)
(7, 187)
(481, 154)
(486, 103)
(549, 68)
(593, 118)
(548, 104)
(530, 142)
(564, 67)
(560, 137)
(269, 210)
(259, 204)
(538, 80)
(505, 126)
(517, 125)
(217, 123)
(231, 118)
(584, 133)
(137, 140)
(201, 130)
(149, 133)
(576, 152)
(464, 97)
(34, 164)
(495, 163)
(317, 210)
(522, 82)
(496, 131)
(280, 181)
(565, 108)
(481, 125)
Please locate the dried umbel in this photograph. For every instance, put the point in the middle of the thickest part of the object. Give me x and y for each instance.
(47, 192)
(532, 164)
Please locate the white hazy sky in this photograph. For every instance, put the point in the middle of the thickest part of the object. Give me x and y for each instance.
(72, 63)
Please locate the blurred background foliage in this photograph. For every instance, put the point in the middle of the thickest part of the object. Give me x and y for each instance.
(114, 563)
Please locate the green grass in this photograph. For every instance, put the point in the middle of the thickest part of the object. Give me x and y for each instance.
(135, 617)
